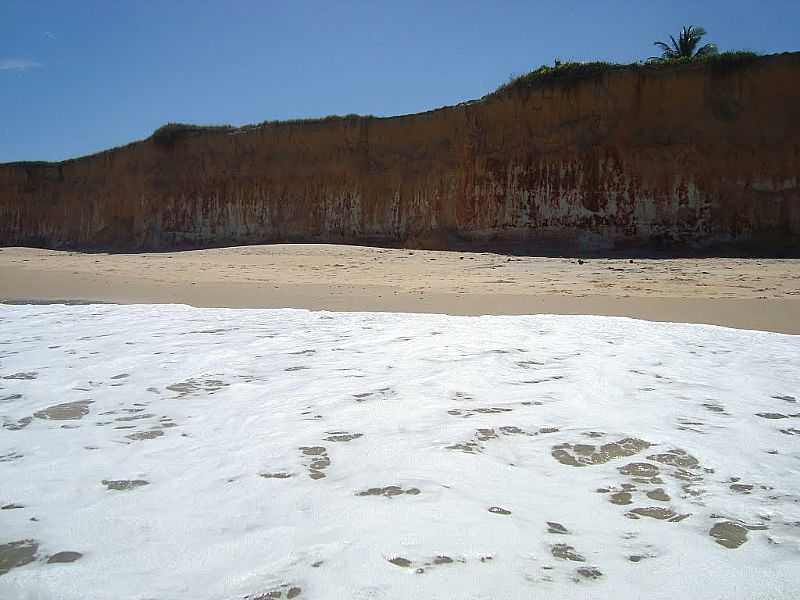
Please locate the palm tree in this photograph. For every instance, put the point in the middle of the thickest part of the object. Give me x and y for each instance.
(686, 45)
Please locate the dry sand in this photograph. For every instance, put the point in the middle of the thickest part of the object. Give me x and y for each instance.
(745, 293)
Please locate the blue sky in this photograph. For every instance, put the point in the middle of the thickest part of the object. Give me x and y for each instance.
(78, 77)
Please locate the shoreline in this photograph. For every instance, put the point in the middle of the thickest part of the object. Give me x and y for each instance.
(762, 294)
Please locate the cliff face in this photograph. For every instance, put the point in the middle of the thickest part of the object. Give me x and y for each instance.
(692, 156)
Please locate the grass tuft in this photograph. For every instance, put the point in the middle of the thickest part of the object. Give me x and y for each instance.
(168, 134)
(309, 120)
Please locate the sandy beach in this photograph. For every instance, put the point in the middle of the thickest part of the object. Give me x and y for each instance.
(744, 293)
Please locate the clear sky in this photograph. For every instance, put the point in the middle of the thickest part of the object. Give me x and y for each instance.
(77, 77)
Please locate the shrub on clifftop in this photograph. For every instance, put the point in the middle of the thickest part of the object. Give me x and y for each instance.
(168, 134)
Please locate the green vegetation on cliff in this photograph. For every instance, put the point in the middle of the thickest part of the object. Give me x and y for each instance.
(683, 51)
(576, 71)
(168, 134)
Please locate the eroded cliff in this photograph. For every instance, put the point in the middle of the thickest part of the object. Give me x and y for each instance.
(687, 157)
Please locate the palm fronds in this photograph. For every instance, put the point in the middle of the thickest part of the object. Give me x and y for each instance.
(686, 46)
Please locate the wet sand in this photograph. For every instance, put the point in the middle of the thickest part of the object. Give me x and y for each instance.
(744, 293)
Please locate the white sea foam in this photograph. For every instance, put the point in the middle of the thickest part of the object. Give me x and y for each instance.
(324, 455)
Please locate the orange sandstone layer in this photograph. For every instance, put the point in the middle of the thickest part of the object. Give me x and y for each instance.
(689, 157)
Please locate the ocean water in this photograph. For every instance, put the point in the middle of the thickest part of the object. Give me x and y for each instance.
(169, 452)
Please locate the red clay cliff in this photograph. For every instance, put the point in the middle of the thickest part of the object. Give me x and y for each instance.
(688, 157)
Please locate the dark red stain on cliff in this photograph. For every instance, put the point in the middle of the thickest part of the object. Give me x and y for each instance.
(686, 157)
